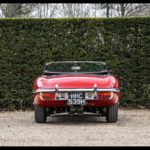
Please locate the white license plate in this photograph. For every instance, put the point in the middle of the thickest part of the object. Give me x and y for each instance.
(76, 98)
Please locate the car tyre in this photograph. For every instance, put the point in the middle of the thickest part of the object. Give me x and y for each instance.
(40, 114)
(112, 113)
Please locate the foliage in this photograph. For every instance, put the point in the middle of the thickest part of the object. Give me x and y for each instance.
(27, 44)
(16, 10)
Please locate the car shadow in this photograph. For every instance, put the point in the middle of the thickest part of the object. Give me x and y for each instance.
(76, 119)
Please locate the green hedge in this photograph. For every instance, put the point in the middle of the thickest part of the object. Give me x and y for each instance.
(27, 44)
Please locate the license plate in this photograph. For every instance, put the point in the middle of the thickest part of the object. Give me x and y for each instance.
(76, 98)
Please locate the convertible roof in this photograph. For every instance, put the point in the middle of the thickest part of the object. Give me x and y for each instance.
(48, 63)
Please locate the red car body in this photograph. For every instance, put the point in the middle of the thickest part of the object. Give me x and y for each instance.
(101, 92)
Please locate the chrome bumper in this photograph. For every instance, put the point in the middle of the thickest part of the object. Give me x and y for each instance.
(75, 90)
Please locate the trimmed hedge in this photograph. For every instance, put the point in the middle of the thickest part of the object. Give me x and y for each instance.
(27, 44)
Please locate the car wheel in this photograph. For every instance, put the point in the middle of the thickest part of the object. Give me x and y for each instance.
(112, 113)
(40, 114)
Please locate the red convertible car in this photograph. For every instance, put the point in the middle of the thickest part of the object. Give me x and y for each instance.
(76, 87)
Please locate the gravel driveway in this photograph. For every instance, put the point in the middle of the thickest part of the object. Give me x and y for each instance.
(19, 129)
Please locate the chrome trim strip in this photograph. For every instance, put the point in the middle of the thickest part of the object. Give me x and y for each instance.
(99, 62)
(75, 90)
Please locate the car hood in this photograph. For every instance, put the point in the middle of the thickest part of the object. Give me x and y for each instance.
(76, 81)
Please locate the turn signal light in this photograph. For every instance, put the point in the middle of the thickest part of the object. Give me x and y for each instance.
(47, 96)
(105, 95)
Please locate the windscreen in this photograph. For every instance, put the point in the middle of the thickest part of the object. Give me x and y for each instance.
(75, 67)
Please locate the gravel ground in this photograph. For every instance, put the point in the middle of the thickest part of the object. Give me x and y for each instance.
(19, 129)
